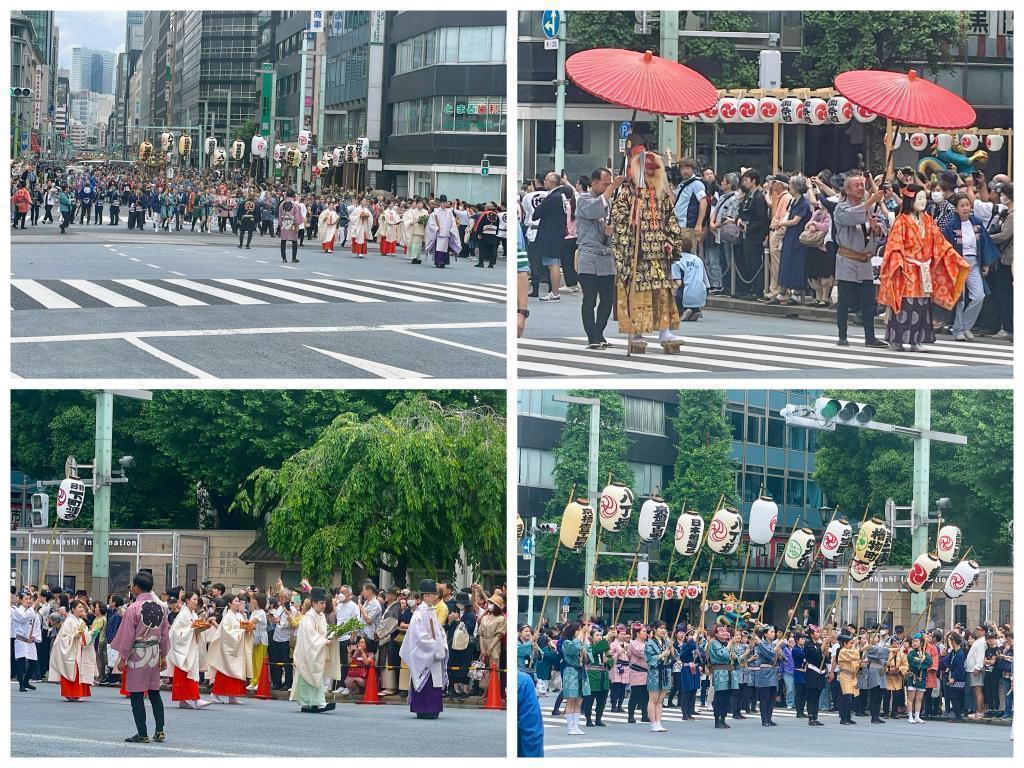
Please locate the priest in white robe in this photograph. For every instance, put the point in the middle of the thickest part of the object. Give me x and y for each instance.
(442, 233)
(317, 658)
(425, 652)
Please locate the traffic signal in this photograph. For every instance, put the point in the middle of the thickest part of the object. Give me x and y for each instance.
(21, 93)
(547, 527)
(844, 411)
(40, 510)
(485, 167)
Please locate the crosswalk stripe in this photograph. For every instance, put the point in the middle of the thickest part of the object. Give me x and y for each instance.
(949, 344)
(865, 354)
(803, 357)
(615, 357)
(433, 289)
(486, 288)
(581, 745)
(179, 299)
(102, 294)
(632, 364)
(554, 370)
(879, 353)
(321, 290)
(250, 286)
(370, 289)
(40, 293)
(220, 293)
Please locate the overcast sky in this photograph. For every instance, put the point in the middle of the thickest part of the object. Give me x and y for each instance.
(103, 30)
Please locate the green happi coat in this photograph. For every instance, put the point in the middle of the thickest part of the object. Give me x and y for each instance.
(597, 668)
(723, 679)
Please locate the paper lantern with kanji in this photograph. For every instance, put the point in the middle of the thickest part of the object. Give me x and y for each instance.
(279, 151)
(258, 146)
(338, 155)
(520, 527)
(184, 145)
(293, 157)
(218, 158)
(969, 142)
(994, 143)
(837, 537)
(947, 543)
(769, 109)
(689, 532)
(709, 115)
(303, 141)
(870, 539)
(961, 579)
(764, 514)
(577, 520)
(616, 507)
(166, 140)
(886, 550)
(724, 531)
(792, 111)
(209, 144)
(918, 142)
(746, 109)
(863, 115)
(860, 570)
(922, 573)
(839, 110)
(145, 150)
(799, 549)
(728, 110)
(653, 519)
(815, 111)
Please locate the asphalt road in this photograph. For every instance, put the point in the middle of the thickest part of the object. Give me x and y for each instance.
(102, 302)
(793, 738)
(45, 725)
(740, 345)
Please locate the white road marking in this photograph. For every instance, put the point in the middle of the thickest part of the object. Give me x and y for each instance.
(182, 274)
(134, 259)
(154, 266)
(261, 261)
(581, 745)
(377, 369)
(323, 291)
(450, 343)
(323, 274)
(555, 370)
(178, 299)
(370, 289)
(103, 294)
(237, 298)
(432, 289)
(48, 298)
(615, 358)
(170, 359)
(249, 286)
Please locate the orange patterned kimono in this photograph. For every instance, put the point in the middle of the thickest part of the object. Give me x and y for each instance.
(918, 263)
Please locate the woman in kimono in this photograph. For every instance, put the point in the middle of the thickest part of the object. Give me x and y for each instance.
(230, 653)
(72, 656)
(919, 267)
(877, 657)
(745, 697)
(659, 656)
(527, 653)
(414, 222)
(677, 646)
(618, 652)
(186, 654)
(575, 682)
(327, 226)
(360, 220)
(637, 674)
(390, 229)
(918, 662)
(597, 674)
(848, 668)
(260, 640)
(722, 662)
(815, 677)
(689, 675)
(766, 677)
(895, 670)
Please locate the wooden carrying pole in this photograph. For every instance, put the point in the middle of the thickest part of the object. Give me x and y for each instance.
(696, 558)
(551, 573)
(778, 565)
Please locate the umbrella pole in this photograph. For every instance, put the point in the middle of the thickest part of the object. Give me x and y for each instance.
(890, 138)
(775, 147)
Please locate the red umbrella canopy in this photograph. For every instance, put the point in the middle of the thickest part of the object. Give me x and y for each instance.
(906, 98)
(641, 81)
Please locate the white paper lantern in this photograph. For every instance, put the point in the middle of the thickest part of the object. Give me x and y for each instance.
(863, 115)
(577, 520)
(944, 142)
(792, 111)
(815, 111)
(837, 537)
(590, 590)
(860, 570)
(753, 608)
(70, 498)
(166, 140)
(746, 108)
(689, 532)
(994, 142)
(709, 115)
(947, 543)
(692, 592)
(869, 541)
(724, 531)
(922, 573)
(620, 590)
(918, 142)
(799, 549)
(728, 110)
(632, 590)
(969, 142)
(616, 507)
(741, 608)
(653, 519)
(769, 109)
(601, 591)
(883, 555)
(897, 140)
(657, 592)
(209, 144)
(303, 140)
(258, 146)
(716, 607)
(961, 579)
(839, 110)
(520, 527)
(338, 155)
(218, 157)
(279, 151)
(643, 591)
(764, 514)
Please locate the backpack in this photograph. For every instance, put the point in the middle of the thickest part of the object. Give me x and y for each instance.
(460, 638)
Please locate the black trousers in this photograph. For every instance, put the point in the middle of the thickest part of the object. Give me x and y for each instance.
(343, 648)
(834, 694)
(600, 698)
(139, 710)
(280, 675)
(747, 697)
(720, 703)
(598, 299)
(856, 296)
(845, 706)
(618, 695)
(65, 220)
(812, 697)
(21, 671)
(295, 248)
(241, 234)
(766, 700)
(98, 217)
(266, 227)
(35, 214)
(115, 217)
(48, 214)
(84, 214)
(749, 254)
(488, 253)
(799, 698)
(956, 698)
(568, 259)
(558, 702)
(19, 216)
(538, 272)
(638, 696)
(689, 702)
(1001, 283)
(875, 701)
(136, 220)
(222, 223)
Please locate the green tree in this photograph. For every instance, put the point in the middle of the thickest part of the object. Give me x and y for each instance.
(606, 29)
(860, 469)
(404, 490)
(245, 131)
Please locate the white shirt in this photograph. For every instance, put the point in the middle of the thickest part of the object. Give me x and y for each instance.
(373, 613)
(345, 611)
(970, 242)
(282, 630)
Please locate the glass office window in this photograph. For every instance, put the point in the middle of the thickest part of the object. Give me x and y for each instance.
(647, 416)
(647, 477)
(541, 402)
(754, 429)
(776, 432)
(795, 491)
(536, 468)
(452, 45)
(775, 485)
(735, 423)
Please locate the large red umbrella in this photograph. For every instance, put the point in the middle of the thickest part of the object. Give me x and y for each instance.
(906, 98)
(641, 81)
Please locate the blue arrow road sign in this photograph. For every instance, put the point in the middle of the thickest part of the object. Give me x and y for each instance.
(565, 600)
(527, 546)
(550, 21)
(624, 128)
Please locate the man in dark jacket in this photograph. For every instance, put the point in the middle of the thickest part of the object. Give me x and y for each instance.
(753, 220)
(551, 229)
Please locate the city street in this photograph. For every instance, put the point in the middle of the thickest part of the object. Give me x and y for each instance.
(740, 345)
(40, 728)
(794, 738)
(103, 302)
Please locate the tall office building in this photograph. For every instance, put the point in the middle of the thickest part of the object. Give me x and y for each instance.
(92, 70)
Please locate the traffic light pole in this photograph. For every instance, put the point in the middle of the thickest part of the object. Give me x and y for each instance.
(101, 493)
(533, 572)
(919, 502)
(560, 99)
(669, 29)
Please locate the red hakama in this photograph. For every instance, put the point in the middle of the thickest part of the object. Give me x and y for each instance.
(223, 685)
(184, 688)
(387, 247)
(74, 689)
(359, 249)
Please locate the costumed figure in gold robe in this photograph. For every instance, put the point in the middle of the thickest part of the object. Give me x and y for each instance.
(645, 240)
(919, 267)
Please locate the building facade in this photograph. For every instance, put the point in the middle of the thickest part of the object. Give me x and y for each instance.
(92, 70)
(28, 70)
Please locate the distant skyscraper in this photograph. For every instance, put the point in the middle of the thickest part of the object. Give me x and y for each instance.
(92, 70)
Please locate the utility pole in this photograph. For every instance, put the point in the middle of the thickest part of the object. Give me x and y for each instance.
(919, 502)
(302, 102)
(533, 572)
(101, 492)
(560, 99)
(670, 51)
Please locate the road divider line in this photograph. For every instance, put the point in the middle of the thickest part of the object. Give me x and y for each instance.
(450, 343)
(382, 370)
(169, 359)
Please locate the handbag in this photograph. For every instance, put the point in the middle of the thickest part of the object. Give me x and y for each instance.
(460, 638)
(812, 237)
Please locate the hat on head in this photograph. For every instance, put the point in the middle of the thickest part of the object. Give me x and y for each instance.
(844, 638)
(780, 177)
(428, 586)
(317, 594)
(497, 600)
(620, 627)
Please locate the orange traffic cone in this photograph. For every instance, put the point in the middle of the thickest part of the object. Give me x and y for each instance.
(493, 699)
(370, 695)
(263, 686)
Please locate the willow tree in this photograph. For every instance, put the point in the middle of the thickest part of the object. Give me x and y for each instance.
(407, 489)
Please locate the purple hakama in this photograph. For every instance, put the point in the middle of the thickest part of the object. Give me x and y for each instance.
(426, 702)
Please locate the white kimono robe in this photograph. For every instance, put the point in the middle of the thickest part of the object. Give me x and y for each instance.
(71, 654)
(230, 650)
(414, 231)
(425, 650)
(25, 624)
(317, 658)
(442, 232)
(327, 226)
(392, 229)
(358, 227)
(185, 648)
